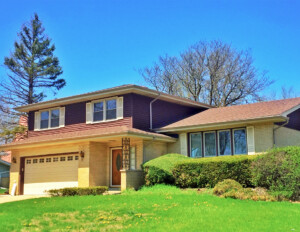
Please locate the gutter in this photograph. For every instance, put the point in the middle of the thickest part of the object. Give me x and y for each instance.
(274, 129)
(151, 118)
(227, 123)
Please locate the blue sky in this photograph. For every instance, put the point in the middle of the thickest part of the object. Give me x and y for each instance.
(102, 44)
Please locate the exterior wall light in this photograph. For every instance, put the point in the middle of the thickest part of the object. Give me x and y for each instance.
(14, 160)
(81, 153)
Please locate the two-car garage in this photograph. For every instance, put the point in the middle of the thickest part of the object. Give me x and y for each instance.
(50, 172)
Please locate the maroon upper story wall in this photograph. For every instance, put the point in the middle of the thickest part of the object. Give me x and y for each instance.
(163, 112)
(294, 120)
(136, 114)
(75, 119)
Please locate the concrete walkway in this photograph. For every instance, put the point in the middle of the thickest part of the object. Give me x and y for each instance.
(9, 198)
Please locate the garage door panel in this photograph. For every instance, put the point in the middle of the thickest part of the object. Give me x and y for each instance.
(42, 174)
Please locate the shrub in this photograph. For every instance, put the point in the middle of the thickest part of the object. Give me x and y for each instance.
(279, 171)
(232, 189)
(226, 186)
(207, 172)
(159, 170)
(98, 190)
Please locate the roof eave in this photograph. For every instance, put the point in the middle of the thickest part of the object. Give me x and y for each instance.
(277, 118)
(164, 138)
(106, 93)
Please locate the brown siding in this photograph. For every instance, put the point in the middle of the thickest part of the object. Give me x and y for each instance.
(136, 114)
(75, 119)
(164, 112)
(294, 121)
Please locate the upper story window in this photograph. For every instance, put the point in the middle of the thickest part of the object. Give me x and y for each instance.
(49, 119)
(111, 109)
(104, 110)
(98, 111)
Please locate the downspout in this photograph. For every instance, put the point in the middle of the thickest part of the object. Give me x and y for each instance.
(286, 122)
(154, 100)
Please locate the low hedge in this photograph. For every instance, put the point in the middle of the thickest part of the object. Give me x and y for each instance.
(98, 190)
(279, 171)
(231, 189)
(159, 170)
(207, 172)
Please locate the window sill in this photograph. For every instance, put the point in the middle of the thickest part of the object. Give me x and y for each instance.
(51, 128)
(111, 120)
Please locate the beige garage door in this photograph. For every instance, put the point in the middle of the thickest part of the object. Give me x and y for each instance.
(53, 172)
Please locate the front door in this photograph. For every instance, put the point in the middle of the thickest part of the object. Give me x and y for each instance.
(116, 166)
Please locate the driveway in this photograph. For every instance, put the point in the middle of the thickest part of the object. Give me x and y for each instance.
(9, 198)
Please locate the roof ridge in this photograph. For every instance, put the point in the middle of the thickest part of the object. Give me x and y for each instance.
(254, 103)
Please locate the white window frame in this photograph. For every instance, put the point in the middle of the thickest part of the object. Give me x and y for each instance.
(49, 119)
(233, 142)
(132, 148)
(104, 110)
(207, 132)
(202, 151)
(218, 138)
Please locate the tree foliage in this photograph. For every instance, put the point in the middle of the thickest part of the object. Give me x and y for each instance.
(32, 67)
(209, 72)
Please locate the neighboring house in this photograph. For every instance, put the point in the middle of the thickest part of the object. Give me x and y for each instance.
(103, 137)
(5, 157)
(4, 173)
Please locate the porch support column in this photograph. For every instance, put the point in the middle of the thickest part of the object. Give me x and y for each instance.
(126, 153)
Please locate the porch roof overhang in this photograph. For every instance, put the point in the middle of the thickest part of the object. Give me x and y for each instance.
(100, 134)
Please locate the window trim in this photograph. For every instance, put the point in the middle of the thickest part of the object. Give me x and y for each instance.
(218, 141)
(49, 119)
(134, 148)
(104, 110)
(206, 132)
(190, 144)
(233, 149)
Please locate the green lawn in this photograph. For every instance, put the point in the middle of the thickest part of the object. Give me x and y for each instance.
(160, 208)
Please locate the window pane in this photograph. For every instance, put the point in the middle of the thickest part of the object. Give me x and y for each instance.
(98, 111)
(98, 116)
(240, 144)
(55, 118)
(210, 144)
(196, 145)
(111, 111)
(132, 158)
(111, 114)
(111, 104)
(224, 143)
(44, 119)
(98, 106)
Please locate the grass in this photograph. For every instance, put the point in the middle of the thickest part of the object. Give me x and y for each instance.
(3, 190)
(158, 208)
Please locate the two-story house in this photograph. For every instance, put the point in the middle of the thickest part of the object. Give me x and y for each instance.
(102, 138)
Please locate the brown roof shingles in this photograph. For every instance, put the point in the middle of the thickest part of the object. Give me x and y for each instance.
(236, 113)
(99, 132)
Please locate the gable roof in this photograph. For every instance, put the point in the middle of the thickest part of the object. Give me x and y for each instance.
(278, 109)
(119, 90)
(87, 135)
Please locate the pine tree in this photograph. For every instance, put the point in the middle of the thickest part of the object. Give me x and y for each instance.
(32, 67)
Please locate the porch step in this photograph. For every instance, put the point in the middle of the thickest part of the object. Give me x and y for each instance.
(112, 191)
